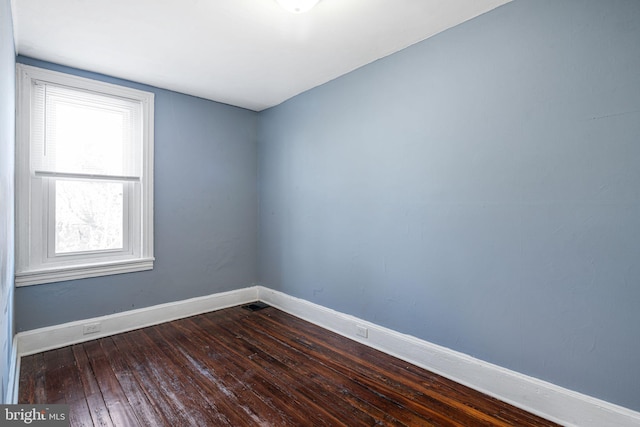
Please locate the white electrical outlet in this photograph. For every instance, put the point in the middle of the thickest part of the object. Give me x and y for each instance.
(91, 328)
(362, 331)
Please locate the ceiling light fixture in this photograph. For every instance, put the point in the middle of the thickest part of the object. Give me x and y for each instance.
(297, 6)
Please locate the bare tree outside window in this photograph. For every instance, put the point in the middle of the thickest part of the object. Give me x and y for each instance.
(88, 216)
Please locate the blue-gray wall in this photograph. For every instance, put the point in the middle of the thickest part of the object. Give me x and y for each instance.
(479, 190)
(7, 189)
(205, 207)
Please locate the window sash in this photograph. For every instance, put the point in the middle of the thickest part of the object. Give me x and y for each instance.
(46, 101)
(43, 230)
(129, 244)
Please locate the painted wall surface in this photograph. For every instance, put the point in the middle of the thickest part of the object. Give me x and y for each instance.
(205, 211)
(479, 190)
(7, 189)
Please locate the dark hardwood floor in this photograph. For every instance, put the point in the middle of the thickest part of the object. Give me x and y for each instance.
(236, 367)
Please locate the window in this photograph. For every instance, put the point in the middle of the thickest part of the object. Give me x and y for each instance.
(84, 178)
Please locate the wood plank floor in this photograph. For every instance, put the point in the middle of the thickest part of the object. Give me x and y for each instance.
(235, 367)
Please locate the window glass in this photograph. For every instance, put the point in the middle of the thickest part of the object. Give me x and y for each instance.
(89, 216)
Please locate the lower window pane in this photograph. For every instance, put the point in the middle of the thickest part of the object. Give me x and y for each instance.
(89, 216)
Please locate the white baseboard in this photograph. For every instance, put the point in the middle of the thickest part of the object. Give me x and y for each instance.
(548, 400)
(43, 339)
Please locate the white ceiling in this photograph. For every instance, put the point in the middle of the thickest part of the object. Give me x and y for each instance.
(248, 53)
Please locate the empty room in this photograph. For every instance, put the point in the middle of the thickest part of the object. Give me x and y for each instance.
(333, 212)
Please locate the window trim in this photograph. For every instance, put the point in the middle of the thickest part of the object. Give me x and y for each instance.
(31, 268)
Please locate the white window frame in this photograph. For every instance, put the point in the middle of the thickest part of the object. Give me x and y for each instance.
(35, 261)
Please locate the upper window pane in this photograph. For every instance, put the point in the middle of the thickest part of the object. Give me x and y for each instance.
(75, 131)
(87, 140)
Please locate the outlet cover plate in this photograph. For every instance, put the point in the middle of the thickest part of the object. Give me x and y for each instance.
(362, 331)
(91, 328)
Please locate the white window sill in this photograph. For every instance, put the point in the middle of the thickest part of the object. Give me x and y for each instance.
(61, 274)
